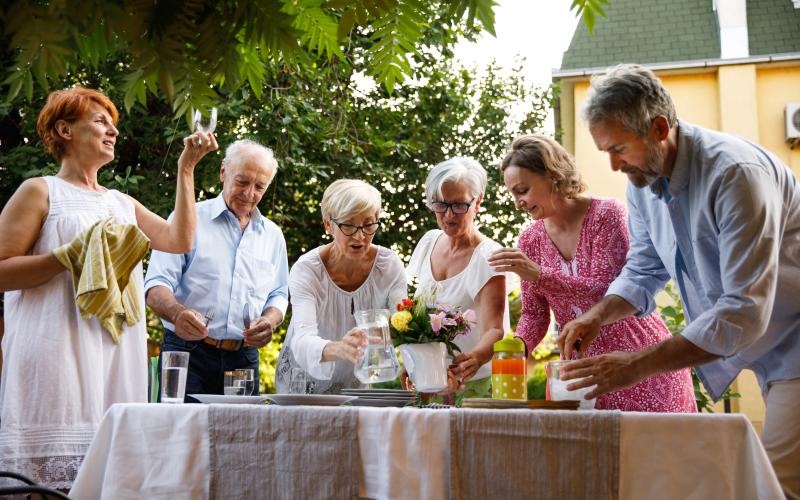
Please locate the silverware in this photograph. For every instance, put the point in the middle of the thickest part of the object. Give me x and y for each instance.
(246, 315)
(209, 316)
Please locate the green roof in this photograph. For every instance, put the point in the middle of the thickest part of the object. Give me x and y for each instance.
(646, 31)
(773, 27)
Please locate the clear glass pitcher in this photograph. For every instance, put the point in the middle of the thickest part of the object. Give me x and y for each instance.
(379, 363)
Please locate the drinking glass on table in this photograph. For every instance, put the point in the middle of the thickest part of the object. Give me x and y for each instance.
(174, 367)
(201, 124)
(298, 384)
(235, 383)
(556, 389)
(249, 381)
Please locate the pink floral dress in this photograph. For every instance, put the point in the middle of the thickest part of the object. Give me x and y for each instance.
(571, 287)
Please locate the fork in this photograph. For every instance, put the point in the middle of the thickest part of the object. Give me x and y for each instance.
(209, 316)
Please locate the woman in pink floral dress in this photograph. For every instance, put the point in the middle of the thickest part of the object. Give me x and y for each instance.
(568, 257)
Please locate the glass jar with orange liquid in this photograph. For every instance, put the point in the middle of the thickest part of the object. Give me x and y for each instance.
(509, 369)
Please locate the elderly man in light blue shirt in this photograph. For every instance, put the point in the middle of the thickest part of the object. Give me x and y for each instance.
(223, 300)
(721, 216)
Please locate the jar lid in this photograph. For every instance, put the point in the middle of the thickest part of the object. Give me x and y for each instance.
(509, 344)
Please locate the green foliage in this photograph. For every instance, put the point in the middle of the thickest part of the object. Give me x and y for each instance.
(674, 318)
(194, 53)
(589, 9)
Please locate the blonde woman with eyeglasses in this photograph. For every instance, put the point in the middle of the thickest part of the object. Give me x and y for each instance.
(329, 283)
(453, 261)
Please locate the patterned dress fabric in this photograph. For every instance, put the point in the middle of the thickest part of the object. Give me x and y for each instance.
(570, 287)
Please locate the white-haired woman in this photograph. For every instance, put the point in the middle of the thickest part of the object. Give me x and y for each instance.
(329, 283)
(453, 261)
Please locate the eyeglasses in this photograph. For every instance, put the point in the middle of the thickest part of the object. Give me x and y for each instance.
(457, 207)
(351, 229)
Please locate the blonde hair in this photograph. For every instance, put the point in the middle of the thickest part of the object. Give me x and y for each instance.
(544, 156)
(347, 198)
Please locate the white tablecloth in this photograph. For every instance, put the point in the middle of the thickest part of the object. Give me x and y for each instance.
(162, 451)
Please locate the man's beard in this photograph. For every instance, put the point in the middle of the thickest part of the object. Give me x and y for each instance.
(653, 166)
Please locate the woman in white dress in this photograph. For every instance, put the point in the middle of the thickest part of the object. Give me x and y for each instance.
(61, 372)
(329, 283)
(453, 261)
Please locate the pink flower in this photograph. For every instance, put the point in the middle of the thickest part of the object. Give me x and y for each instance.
(436, 321)
(448, 321)
(469, 315)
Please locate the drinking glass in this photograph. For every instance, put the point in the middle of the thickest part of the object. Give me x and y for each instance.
(174, 366)
(378, 363)
(557, 388)
(235, 383)
(297, 381)
(204, 126)
(249, 381)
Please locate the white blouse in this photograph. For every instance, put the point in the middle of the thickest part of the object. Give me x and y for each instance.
(322, 312)
(461, 289)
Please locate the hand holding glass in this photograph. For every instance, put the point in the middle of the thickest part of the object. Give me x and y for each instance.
(203, 126)
(379, 363)
(557, 388)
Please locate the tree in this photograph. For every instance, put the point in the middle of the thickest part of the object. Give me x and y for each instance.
(194, 52)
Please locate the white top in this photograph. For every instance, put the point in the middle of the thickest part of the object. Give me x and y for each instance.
(461, 289)
(61, 372)
(322, 312)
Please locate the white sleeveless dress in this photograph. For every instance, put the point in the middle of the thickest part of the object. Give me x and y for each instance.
(61, 372)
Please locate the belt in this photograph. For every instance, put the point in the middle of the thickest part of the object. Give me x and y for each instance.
(224, 344)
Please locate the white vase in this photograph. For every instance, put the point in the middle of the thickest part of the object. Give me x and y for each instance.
(426, 365)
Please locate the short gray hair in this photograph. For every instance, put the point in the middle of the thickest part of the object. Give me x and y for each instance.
(244, 148)
(630, 94)
(459, 169)
(347, 198)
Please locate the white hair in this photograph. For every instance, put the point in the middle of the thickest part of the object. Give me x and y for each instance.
(246, 148)
(459, 169)
(348, 198)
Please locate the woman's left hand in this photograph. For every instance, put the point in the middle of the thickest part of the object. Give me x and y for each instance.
(515, 260)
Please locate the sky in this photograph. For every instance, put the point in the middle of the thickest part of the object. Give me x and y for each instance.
(539, 30)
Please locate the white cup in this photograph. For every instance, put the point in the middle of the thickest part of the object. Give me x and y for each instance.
(174, 366)
(557, 388)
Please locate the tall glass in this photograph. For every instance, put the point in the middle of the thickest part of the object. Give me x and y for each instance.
(379, 363)
(174, 366)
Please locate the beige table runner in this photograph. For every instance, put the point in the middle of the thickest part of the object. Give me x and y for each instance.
(534, 454)
(283, 452)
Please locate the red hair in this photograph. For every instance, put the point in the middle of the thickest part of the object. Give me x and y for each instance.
(68, 105)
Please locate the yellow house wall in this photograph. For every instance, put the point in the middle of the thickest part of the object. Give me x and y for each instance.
(746, 100)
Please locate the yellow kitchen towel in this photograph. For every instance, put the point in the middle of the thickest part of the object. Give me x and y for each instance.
(102, 261)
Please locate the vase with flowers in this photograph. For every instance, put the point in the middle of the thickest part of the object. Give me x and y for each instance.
(425, 331)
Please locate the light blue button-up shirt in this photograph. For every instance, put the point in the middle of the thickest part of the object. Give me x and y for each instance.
(226, 268)
(734, 213)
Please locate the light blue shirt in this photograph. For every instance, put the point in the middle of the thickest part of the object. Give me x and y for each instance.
(226, 268)
(734, 214)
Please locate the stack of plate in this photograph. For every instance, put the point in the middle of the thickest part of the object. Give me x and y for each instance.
(381, 397)
(534, 404)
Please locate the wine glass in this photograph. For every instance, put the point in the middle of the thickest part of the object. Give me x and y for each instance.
(204, 126)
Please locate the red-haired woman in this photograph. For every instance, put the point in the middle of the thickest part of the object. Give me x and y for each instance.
(60, 371)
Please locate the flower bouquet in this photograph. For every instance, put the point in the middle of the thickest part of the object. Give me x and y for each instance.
(424, 332)
(421, 320)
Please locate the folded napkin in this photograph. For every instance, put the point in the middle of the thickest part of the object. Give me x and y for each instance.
(258, 451)
(534, 454)
(101, 261)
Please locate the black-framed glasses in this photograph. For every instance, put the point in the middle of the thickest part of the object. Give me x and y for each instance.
(457, 207)
(352, 229)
